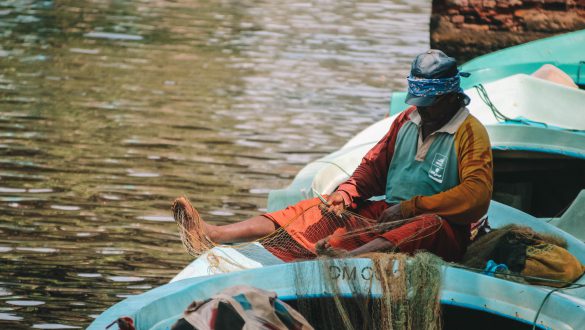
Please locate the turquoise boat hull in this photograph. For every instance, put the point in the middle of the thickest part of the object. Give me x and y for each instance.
(161, 307)
(565, 51)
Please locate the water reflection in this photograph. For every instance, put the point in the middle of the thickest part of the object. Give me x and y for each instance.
(110, 109)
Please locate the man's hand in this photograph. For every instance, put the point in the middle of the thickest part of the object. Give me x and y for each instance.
(336, 203)
(391, 214)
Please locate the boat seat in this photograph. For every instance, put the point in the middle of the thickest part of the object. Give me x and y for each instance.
(573, 221)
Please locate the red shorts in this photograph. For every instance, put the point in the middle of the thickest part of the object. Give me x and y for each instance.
(306, 224)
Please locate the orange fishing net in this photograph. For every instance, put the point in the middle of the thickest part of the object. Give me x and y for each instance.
(401, 293)
(301, 227)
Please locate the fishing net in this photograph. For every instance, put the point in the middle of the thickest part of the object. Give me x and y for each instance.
(394, 291)
(507, 245)
(299, 237)
(529, 256)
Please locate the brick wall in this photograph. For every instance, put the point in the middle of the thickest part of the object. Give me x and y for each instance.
(469, 28)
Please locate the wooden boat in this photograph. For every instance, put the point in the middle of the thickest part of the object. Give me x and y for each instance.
(564, 51)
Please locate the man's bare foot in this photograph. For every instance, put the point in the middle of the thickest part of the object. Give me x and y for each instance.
(323, 248)
(192, 228)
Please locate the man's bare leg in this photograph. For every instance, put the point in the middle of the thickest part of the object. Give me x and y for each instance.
(247, 230)
(244, 231)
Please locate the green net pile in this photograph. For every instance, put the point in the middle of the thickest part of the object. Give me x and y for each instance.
(397, 292)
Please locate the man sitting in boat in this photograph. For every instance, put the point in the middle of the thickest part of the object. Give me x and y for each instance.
(434, 167)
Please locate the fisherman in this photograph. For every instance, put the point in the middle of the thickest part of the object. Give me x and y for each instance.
(434, 167)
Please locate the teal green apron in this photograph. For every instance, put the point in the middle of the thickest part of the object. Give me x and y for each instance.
(409, 177)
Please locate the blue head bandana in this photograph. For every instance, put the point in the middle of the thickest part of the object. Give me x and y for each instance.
(435, 87)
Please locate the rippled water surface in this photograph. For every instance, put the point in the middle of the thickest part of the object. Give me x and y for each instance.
(110, 109)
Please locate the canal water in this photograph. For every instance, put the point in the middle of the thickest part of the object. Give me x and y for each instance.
(111, 109)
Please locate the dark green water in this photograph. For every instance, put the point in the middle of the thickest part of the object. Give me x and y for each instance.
(110, 109)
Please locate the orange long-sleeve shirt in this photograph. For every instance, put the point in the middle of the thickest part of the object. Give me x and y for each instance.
(463, 204)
